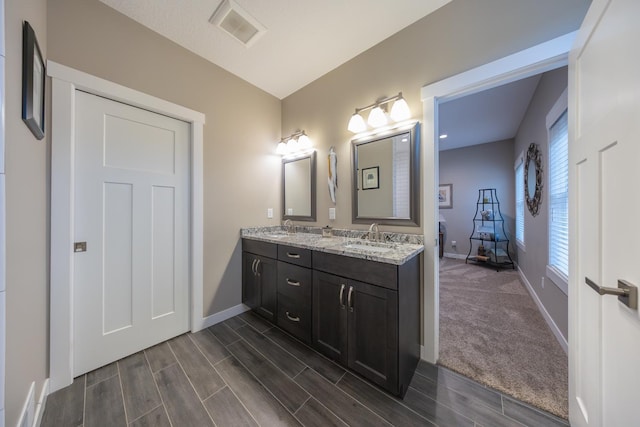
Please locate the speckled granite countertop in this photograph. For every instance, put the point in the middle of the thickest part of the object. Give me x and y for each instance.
(394, 248)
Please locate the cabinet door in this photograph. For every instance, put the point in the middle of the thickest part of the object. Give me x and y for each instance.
(330, 315)
(267, 274)
(373, 333)
(250, 284)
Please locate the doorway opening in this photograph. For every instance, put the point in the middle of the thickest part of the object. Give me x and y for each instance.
(496, 320)
(539, 59)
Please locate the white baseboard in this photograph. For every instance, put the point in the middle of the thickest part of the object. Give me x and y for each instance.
(42, 403)
(28, 409)
(31, 415)
(221, 316)
(454, 256)
(545, 314)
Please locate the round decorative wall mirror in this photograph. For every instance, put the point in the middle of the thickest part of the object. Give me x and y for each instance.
(533, 179)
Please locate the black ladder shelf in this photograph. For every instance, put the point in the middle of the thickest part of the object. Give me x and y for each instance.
(489, 237)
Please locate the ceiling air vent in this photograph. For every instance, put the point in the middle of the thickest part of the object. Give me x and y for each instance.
(237, 22)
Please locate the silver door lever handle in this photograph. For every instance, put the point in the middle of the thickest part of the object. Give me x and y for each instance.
(626, 292)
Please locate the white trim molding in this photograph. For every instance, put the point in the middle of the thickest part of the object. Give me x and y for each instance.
(562, 340)
(223, 315)
(65, 82)
(454, 255)
(535, 60)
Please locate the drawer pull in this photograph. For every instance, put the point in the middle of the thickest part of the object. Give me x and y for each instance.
(290, 255)
(292, 318)
(292, 282)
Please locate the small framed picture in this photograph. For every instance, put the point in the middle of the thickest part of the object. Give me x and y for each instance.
(445, 196)
(33, 78)
(370, 178)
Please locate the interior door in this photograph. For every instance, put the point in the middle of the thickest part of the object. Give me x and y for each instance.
(604, 109)
(131, 207)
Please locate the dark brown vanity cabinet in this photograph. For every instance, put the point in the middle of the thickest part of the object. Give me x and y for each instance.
(372, 328)
(363, 314)
(259, 277)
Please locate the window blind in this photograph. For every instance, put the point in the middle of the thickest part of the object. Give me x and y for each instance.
(559, 195)
(520, 203)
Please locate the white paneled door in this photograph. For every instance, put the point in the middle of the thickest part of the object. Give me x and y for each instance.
(604, 109)
(131, 208)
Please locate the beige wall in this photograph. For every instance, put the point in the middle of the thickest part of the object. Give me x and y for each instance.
(27, 190)
(470, 169)
(533, 260)
(459, 36)
(241, 130)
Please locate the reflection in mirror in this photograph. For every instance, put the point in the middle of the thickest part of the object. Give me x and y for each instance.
(385, 177)
(299, 188)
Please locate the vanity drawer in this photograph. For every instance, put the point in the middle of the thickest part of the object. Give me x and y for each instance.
(260, 248)
(293, 255)
(377, 273)
(294, 282)
(294, 318)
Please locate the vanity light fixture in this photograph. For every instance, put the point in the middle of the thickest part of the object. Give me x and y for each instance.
(295, 143)
(378, 116)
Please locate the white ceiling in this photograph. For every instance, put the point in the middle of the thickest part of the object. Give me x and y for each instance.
(305, 39)
(488, 116)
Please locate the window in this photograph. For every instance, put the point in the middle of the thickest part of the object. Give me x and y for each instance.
(559, 191)
(520, 201)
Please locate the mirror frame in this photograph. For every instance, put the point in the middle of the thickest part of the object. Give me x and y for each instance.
(312, 217)
(533, 201)
(414, 176)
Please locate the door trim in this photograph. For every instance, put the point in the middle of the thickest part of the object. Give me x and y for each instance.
(537, 59)
(65, 82)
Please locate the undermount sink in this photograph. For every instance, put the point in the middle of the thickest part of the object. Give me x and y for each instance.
(369, 247)
(277, 235)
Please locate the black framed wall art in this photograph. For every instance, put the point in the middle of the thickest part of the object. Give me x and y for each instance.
(33, 79)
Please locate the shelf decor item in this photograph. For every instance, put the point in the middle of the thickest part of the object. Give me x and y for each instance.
(488, 235)
(33, 78)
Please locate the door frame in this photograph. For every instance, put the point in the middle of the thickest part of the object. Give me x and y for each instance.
(65, 82)
(537, 59)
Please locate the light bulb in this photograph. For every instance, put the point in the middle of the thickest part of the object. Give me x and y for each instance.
(377, 117)
(357, 124)
(400, 110)
(282, 148)
(304, 142)
(292, 145)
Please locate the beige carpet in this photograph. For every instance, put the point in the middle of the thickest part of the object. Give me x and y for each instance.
(491, 331)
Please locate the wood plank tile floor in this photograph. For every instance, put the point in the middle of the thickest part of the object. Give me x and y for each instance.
(245, 372)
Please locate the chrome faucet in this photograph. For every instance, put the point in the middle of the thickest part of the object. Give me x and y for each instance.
(374, 237)
(289, 227)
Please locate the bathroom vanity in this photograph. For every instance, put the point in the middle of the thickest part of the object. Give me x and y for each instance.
(355, 301)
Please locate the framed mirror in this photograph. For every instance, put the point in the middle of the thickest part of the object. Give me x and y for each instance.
(533, 179)
(299, 188)
(386, 177)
